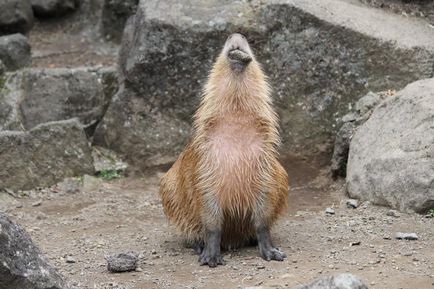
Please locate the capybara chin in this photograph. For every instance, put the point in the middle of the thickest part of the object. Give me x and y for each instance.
(227, 187)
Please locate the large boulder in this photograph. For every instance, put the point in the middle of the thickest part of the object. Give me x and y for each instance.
(35, 96)
(22, 265)
(319, 61)
(16, 16)
(15, 51)
(114, 16)
(391, 159)
(341, 281)
(44, 155)
(53, 8)
(362, 111)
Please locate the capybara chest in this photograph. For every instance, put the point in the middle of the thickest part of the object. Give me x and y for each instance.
(235, 153)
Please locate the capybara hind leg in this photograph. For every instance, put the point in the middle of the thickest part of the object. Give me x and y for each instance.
(211, 253)
(198, 247)
(266, 249)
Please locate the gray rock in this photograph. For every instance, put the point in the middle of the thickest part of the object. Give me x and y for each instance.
(351, 121)
(53, 8)
(35, 96)
(329, 211)
(22, 265)
(15, 51)
(317, 65)
(352, 203)
(406, 236)
(392, 213)
(69, 185)
(114, 16)
(392, 154)
(122, 262)
(367, 103)
(91, 183)
(69, 259)
(341, 148)
(16, 16)
(2, 68)
(44, 155)
(341, 281)
(107, 160)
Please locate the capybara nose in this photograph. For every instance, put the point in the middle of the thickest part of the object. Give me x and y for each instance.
(238, 50)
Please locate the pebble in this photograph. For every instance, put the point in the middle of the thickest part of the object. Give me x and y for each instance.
(352, 203)
(122, 262)
(70, 260)
(392, 213)
(406, 236)
(37, 203)
(329, 211)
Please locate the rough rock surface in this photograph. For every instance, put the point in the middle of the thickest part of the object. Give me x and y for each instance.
(341, 281)
(391, 159)
(50, 8)
(362, 111)
(35, 96)
(44, 155)
(318, 63)
(15, 51)
(341, 148)
(107, 160)
(122, 262)
(114, 16)
(22, 266)
(16, 16)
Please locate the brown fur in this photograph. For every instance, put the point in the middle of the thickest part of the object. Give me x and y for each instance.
(230, 167)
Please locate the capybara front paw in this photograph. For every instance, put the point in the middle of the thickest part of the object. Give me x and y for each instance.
(272, 253)
(211, 260)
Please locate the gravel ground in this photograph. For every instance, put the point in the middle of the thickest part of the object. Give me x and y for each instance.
(78, 229)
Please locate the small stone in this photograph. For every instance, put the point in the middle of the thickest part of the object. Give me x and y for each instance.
(406, 236)
(260, 267)
(329, 211)
(122, 262)
(37, 203)
(91, 183)
(70, 259)
(352, 203)
(392, 213)
(357, 243)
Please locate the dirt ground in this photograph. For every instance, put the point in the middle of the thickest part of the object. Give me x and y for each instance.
(126, 214)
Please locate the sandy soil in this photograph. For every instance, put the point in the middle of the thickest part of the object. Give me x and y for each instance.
(126, 214)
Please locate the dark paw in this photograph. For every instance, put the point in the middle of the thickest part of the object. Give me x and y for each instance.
(272, 254)
(198, 246)
(211, 261)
